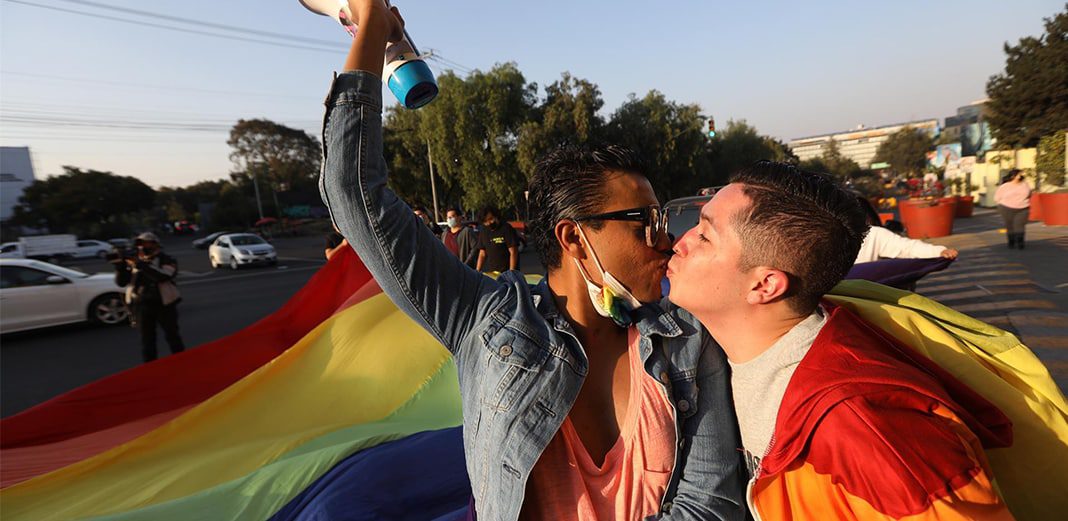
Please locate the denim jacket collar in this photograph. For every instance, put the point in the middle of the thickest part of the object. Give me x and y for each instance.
(650, 319)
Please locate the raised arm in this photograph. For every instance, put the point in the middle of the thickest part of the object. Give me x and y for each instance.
(412, 265)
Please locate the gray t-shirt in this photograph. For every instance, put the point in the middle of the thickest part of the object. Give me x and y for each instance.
(759, 384)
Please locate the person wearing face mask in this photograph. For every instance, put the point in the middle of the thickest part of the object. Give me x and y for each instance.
(151, 294)
(422, 214)
(498, 244)
(585, 397)
(460, 240)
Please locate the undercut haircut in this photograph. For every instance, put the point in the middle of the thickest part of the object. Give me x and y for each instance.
(802, 223)
(569, 182)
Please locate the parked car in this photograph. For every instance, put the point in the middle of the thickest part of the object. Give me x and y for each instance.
(241, 249)
(91, 248)
(683, 214)
(121, 243)
(203, 242)
(37, 294)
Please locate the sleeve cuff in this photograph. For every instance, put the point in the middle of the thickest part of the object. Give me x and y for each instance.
(353, 87)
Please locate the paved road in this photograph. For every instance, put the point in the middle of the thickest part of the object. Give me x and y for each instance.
(37, 365)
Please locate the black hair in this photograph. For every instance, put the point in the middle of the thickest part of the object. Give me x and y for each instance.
(453, 209)
(1011, 175)
(802, 223)
(487, 210)
(569, 182)
(869, 211)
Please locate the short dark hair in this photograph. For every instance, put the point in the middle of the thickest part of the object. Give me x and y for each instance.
(453, 209)
(419, 208)
(802, 223)
(487, 210)
(569, 182)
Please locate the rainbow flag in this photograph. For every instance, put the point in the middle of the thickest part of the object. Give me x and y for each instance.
(339, 404)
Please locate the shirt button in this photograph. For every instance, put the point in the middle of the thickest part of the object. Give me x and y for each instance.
(667, 508)
(664, 377)
(505, 350)
(684, 405)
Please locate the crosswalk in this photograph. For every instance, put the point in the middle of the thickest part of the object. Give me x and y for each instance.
(1001, 287)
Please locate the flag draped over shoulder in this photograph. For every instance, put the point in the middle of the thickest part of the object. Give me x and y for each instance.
(339, 403)
(994, 363)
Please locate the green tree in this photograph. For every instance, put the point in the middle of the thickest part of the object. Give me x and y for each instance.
(1049, 165)
(670, 138)
(85, 202)
(740, 144)
(278, 157)
(473, 130)
(568, 114)
(1029, 99)
(906, 150)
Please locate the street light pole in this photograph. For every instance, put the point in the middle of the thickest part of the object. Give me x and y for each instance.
(433, 187)
(256, 186)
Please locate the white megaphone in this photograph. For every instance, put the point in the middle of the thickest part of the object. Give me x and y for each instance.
(405, 73)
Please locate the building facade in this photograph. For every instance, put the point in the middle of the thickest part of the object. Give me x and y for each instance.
(860, 145)
(16, 173)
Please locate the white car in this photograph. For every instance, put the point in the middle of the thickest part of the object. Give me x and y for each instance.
(37, 294)
(241, 249)
(91, 248)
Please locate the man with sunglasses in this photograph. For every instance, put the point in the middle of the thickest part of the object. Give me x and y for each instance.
(582, 397)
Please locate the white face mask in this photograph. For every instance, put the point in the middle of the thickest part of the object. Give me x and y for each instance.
(613, 300)
(452, 222)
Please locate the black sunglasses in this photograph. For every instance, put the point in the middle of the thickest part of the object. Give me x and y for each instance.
(654, 219)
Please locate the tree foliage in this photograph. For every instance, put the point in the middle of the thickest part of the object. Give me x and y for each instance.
(569, 113)
(279, 158)
(85, 202)
(1029, 99)
(740, 145)
(906, 150)
(670, 138)
(1050, 165)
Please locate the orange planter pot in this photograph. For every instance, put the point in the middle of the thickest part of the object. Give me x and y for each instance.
(965, 206)
(928, 219)
(1054, 208)
(885, 216)
(1035, 214)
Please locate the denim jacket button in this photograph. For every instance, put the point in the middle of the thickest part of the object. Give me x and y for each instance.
(682, 443)
(664, 377)
(684, 405)
(667, 508)
(505, 350)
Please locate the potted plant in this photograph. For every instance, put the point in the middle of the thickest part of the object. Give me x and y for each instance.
(928, 218)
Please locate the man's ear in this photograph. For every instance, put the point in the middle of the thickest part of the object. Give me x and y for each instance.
(567, 236)
(768, 285)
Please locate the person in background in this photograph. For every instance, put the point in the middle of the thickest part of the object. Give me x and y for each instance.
(460, 240)
(1013, 198)
(334, 242)
(498, 244)
(422, 214)
(151, 293)
(881, 243)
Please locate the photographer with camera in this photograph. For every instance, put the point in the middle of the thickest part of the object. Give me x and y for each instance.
(151, 295)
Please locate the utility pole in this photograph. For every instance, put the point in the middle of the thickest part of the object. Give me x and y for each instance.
(433, 187)
(256, 186)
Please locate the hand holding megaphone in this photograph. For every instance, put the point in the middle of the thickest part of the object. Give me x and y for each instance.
(406, 73)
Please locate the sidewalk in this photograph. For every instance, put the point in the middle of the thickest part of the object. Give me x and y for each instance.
(1025, 292)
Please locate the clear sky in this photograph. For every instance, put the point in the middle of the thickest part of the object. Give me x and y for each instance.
(156, 104)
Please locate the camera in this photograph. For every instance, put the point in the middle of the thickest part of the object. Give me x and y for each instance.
(118, 254)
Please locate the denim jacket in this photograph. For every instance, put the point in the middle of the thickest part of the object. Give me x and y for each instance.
(519, 362)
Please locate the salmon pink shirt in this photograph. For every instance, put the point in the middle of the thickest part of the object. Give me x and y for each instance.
(567, 485)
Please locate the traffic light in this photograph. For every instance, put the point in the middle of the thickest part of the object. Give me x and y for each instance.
(711, 127)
